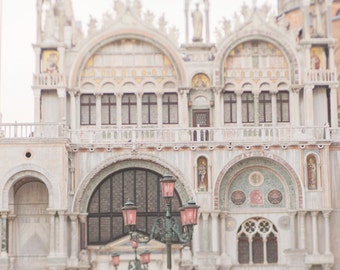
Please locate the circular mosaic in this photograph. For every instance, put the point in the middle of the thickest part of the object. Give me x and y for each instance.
(275, 196)
(238, 197)
(256, 179)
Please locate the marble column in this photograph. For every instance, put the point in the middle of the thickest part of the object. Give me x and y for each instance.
(256, 110)
(37, 112)
(52, 233)
(98, 109)
(239, 109)
(274, 108)
(74, 237)
(197, 236)
(139, 106)
(83, 230)
(159, 110)
(205, 232)
(327, 232)
(223, 216)
(292, 215)
(61, 51)
(62, 104)
(314, 215)
(217, 108)
(73, 114)
(334, 106)
(215, 239)
(308, 105)
(119, 109)
(186, 14)
(207, 21)
(183, 109)
(306, 18)
(61, 233)
(4, 234)
(302, 229)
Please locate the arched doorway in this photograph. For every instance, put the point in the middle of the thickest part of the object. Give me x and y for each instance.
(29, 242)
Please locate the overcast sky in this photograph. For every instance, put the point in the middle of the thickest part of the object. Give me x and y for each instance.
(19, 32)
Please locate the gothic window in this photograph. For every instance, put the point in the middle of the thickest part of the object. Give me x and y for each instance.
(129, 109)
(108, 108)
(87, 109)
(282, 100)
(170, 108)
(257, 242)
(247, 107)
(265, 107)
(105, 220)
(149, 108)
(229, 107)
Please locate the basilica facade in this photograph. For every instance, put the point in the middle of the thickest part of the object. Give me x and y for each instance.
(246, 122)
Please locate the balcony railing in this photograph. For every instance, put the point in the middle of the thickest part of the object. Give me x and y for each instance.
(171, 136)
(320, 76)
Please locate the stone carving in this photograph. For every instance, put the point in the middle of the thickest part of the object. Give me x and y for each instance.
(162, 24)
(275, 196)
(238, 197)
(197, 21)
(84, 258)
(256, 179)
(118, 7)
(50, 22)
(149, 17)
(92, 25)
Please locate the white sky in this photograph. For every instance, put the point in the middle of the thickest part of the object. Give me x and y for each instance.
(19, 32)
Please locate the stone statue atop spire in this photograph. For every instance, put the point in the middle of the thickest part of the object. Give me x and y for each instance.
(197, 21)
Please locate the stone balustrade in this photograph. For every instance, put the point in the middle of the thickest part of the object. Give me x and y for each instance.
(320, 76)
(167, 136)
(49, 80)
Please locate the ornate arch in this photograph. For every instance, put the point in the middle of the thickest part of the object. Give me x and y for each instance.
(273, 37)
(30, 171)
(120, 162)
(258, 159)
(104, 38)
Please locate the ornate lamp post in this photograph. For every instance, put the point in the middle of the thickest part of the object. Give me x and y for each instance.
(165, 228)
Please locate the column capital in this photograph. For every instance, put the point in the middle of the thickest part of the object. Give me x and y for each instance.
(73, 216)
(82, 217)
(302, 213)
(326, 213)
(223, 214)
(314, 213)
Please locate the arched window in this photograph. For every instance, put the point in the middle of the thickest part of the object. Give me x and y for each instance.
(265, 107)
(87, 109)
(247, 107)
(283, 106)
(105, 220)
(109, 109)
(257, 242)
(230, 109)
(170, 108)
(129, 109)
(149, 108)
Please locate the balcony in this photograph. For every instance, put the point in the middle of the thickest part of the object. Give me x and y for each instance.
(169, 137)
(319, 76)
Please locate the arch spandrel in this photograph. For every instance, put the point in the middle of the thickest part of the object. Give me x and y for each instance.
(293, 186)
(111, 165)
(170, 54)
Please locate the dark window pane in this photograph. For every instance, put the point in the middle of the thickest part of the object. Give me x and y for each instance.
(230, 107)
(243, 249)
(257, 248)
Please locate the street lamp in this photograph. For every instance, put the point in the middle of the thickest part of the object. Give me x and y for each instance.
(165, 229)
(136, 264)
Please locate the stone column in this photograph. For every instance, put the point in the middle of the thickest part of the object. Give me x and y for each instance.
(215, 239)
(4, 234)
(334, 109)
(73, 114)
(256, 110)
(183, 110)
(62, 104)
(207, 21)
(308, 104)
(205, 232)
(302, 230)
(239, 109)
(83, 230)
(119, 109)
(186, 14)
(37, 51)
(74, 238)
(37, 95)
(223, 216)
(139, 96)
(306, 23)
(274, 108)
(217, 108)
(52, 233)
(292, 215)
(327, 231)
(197, 236)
(314, 215)
(61, 233)
(11, 235)
(159, 109)
(98, 109)
(295, 108)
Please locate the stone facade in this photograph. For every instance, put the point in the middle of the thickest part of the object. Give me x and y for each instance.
(248, 126)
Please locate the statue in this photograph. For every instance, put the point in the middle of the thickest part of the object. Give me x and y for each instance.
(319, 22)
(197, 20)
